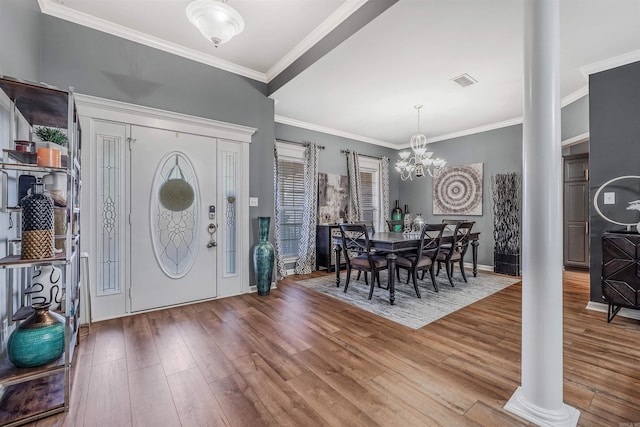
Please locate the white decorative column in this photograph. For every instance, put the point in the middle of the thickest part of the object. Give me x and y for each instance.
(540, 399)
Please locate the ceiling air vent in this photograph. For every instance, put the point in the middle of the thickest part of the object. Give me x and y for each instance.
(464, 80)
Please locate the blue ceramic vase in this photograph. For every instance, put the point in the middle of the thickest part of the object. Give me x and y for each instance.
(38, 340)
(263, 256)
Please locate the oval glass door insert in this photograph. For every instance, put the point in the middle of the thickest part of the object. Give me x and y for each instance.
(175, 206)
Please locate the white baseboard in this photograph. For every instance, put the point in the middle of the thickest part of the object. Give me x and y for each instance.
(254, 288)
(604, 308)
(481, 267)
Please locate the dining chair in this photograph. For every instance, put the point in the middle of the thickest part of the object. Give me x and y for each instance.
(371, 230)
(369, 224)
(454, 252)
(424, 257)
(392, 223)
(359, 256)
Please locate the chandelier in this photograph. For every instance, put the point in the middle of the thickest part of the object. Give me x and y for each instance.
(421, 161)
(216, 21)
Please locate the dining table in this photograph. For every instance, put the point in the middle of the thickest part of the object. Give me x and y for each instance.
(393, 243)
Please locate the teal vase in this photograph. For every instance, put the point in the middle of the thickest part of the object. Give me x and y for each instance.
(263, 256)
(38, 340)
(396, 215)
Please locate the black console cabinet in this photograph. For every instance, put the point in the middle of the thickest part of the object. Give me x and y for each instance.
(620, 271)
(325, 255)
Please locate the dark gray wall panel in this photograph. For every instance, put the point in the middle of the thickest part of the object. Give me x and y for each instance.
(614, 109)
(20, 39)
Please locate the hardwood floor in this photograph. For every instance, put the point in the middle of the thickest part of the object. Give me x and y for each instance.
(300, 358)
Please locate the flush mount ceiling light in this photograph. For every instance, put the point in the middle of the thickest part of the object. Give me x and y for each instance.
(216, 21)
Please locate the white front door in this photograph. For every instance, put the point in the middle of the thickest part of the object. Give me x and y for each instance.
(172, 194)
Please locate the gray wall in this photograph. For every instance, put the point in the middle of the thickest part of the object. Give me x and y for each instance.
(99, 64)
(575, 118)
(499, 150)
(102, 65)
(614, 109)
(20, 33)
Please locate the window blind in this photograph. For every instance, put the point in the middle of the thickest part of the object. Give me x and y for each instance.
(291, 183)
(369, 196)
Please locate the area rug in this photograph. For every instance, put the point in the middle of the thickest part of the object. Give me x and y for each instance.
(409, 310)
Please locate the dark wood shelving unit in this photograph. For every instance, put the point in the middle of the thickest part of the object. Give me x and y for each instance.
(41, 105)
(34, 399)
(11, 374)
(28, 394)
(14, 261)
(28, 162)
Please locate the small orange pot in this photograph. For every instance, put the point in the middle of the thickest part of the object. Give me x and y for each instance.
(49, 157)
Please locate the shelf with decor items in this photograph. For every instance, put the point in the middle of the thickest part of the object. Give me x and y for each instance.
(41, 194)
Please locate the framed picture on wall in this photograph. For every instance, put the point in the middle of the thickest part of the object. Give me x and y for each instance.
(332, 198)
(458, 190)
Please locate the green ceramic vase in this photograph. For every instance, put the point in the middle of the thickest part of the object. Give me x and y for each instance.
(263, 256)
(38, 340)
(396, 215)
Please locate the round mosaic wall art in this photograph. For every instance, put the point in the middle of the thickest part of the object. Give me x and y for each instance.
(458, 191)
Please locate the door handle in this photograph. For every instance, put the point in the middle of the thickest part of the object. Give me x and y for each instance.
(211, 229)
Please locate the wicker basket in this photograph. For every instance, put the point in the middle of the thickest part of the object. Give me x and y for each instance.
(37, 244)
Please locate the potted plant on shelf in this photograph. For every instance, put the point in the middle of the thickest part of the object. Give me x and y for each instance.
(52, 138)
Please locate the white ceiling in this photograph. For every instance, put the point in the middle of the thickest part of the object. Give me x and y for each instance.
(367, 86)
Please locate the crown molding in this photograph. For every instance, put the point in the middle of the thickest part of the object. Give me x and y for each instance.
(323, 129)
(575, 140)
(470, 131)
(48, 7)
(5, 101)
(328, 25)
(574, 96)
(108, 109)
(606, 64)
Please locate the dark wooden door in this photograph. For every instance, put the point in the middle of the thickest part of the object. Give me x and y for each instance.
(576, 211)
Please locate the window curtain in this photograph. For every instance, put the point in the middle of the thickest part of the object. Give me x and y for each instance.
(384, 191)
(355, 187)
(281, 270)
(307, 253)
